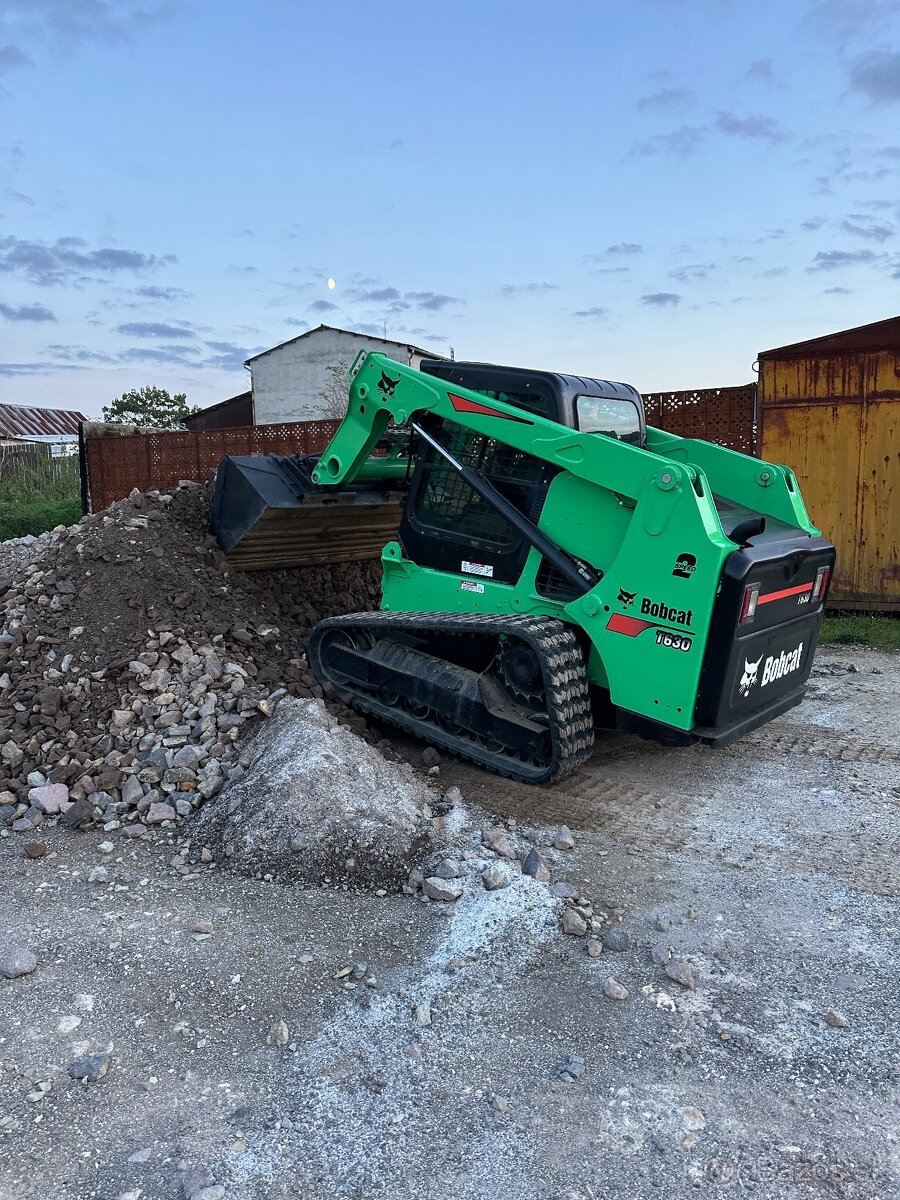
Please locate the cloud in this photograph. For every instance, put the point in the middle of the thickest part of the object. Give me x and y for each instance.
(838, 291)
(527, 289)
(597, 311)
(398, 302)
(624, 249)
(692, 271)
(847, 20)
(12, 370)
(755, 127)
(66, 260)
(431, 301)
(70, 22)
(669, 99)
(26, 312)
(877, 75)
(15, 197)
(13, 59)
(661, 299)
(773, 273)
(374, 295)
(811, 224)
(834, 260)
(228, 356)
(154, 329)
(610, 270)
(682, 143)
(762, 70)
(78, 354)
(863, 226)
(323, 306)
(152, 292)
(159, 354)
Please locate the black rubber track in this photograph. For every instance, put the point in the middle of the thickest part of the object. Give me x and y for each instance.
(568, 706)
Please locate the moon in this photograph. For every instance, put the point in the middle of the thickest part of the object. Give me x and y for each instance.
(330, 284)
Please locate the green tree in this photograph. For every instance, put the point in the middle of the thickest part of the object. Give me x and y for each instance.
(150, 407)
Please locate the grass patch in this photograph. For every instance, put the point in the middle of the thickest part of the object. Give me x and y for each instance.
(39, 495)
(883, 633)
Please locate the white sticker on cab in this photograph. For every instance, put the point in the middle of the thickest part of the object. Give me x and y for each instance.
(477, 569)
(469, 585)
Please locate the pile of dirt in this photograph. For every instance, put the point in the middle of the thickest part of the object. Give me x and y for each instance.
(132, 655)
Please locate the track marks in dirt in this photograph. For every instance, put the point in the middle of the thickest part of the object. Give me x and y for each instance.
(788, 739)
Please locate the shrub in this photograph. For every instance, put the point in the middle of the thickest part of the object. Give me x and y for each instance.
(37, 495)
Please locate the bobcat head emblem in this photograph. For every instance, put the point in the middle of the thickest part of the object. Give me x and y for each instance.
(626, 599)
(386, 386)
(748, 679)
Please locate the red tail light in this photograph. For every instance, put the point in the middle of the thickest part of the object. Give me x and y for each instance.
(820, 587)
(748, 604)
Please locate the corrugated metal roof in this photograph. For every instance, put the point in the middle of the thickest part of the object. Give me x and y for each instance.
(880, 335)
(16, 420)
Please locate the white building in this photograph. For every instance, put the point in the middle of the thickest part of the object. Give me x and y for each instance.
(291, 381)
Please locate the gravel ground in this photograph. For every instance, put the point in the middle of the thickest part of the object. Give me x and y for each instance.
(473, 1051)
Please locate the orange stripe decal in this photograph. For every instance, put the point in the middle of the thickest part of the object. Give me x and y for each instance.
(794, 591)
(630, 626)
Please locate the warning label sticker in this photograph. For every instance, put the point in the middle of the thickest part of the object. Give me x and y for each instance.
(477, 569)
(469, 585)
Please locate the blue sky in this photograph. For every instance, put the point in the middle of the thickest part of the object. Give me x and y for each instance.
(647, 190)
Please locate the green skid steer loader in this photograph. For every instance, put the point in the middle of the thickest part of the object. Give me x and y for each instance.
(558, 566)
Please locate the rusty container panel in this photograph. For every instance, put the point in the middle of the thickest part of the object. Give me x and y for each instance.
(878, 564)
(820, 443)
(836, 421)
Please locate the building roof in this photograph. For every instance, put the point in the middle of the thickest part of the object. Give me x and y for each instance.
(369, 337)
(880, 335)
(242, 398)
(19, 421)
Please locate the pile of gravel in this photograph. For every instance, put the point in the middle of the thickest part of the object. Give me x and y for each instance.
(317, 805)
(132, 656)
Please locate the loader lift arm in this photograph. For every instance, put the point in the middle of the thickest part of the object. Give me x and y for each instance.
(383, 391)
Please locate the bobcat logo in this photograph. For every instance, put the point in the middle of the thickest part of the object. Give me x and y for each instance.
(386, 386)
(626, 599)
(748, 679)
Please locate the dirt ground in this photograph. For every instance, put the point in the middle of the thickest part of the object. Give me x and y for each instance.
(771, 868)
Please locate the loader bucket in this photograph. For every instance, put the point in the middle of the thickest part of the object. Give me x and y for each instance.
(267, 512)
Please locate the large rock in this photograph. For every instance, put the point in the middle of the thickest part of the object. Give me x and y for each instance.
(51, 798)
(16, 961)
(318, 804)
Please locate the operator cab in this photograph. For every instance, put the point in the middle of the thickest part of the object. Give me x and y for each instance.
(589, 405)
(446, 523)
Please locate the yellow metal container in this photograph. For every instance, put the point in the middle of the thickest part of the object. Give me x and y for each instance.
(830, 409)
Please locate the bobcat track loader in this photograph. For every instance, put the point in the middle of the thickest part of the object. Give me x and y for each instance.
(557, 566)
